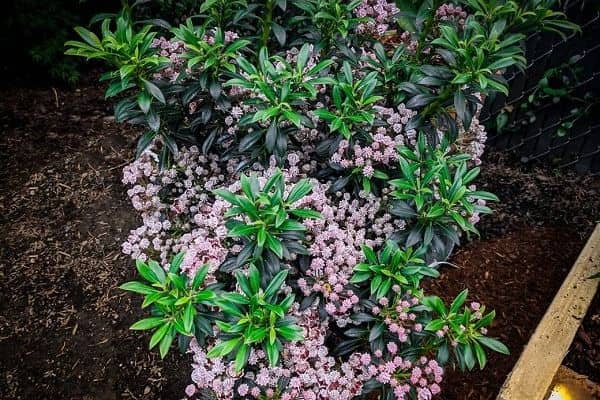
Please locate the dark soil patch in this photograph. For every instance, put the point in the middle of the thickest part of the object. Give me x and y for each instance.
(535, 196)
(64, 214)
(517, 275)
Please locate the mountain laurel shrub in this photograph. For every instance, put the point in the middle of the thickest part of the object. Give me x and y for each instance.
(308, 163)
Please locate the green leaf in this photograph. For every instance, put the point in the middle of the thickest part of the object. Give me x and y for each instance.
(246, 186)
(272, 353)
(165, 343)
(152, 298)
(468, 356)
(303, 55)
(229, 308)
(436, 304)
(384, 288)
(159, 334)
(300, 189)
(359, 277)
(493, 344)
(459, 301)
(478, 194)
(375, 283)
(223, 348)
(502, 63)
(227, 196)
(144, 100)
(293, 117)
(147, 323)
(178, 281)
(486, 320)
(287, 302)
(362, 317)
(279, 33)
(154, 91)
(369, 254)
(158, 271)
(306, 213)
(272, 335)
(144, 143)
(291, 225)
(188, 317)
(275, 245)
(435, 325)
(290, 332)
(145, 271)
(276, 283)
(480, 354)
(205, 296)
(199, 277)
(242, 230)
(138, 287)
(261, 236)
(235, 298)
(176, 263)
(257, 335)
(241, 357)
(89, 36)
(376, 332)
(254, 278)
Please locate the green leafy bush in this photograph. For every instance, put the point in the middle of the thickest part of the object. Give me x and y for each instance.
(255, 317)
(358, 124)
(265, 219)
(180, 306)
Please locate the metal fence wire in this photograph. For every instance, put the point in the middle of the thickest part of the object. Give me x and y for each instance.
(559, 126)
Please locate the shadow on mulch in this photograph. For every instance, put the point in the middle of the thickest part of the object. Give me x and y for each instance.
(64, 214)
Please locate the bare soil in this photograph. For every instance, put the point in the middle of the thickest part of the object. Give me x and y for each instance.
(64, 213)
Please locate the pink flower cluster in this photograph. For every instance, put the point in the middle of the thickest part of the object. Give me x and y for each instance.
(174, 50)
(311, 372)
(398, 315)
(177, 210)
(382, 151)
(336, 246)
(473, 141)
(180, 214)
(381, 13)
(408, 379)
(450, 12)
(409, 42)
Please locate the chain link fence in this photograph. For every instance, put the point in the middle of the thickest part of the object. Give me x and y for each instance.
(552, 112)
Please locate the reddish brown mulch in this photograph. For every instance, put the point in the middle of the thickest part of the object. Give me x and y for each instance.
(517, 275)
(64, 213)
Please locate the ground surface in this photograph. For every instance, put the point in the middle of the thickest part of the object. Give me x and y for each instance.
(64, 213)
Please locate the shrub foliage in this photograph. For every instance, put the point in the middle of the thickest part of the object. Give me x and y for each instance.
(308, 163)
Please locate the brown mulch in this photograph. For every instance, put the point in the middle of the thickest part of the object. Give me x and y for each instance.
(517, 275)
(64, 214)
